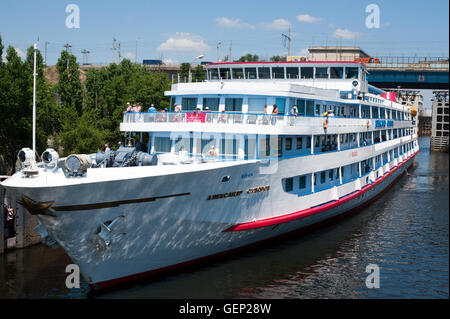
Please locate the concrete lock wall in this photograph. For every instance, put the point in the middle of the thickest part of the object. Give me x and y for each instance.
(24, 224)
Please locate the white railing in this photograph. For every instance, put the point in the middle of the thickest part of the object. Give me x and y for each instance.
(253, 119)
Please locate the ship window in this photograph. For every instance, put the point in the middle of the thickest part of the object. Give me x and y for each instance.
(213, 74)
(336, 72)
(264, 73)
(301, 107)
(321, 73)
(281, 104)
(307, 73)
(189, 103)
(351, 73)
(289, 184)
(250, 73)
(233, 105)
(225, 74)
(162, 144)
(292, 73)
(278, 73)
(302, 182)
(288, 143)
(330, 174)
(238, 73)
(308, 142)
(322, 177)
(317, 141)
(439, 110)
(256, 105)
(299, 143)
(211, 103)
(309, 107)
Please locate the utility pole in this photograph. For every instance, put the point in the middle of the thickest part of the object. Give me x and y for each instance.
(136, 56)
(119, 53)
(46, 42)
(288, 39)
(114, 50)
(85, 58)
(217, 51)
(67, 46)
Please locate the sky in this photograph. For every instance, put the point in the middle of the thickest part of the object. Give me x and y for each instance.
(179, 31)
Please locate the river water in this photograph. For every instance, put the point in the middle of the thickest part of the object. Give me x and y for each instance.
(405, 233)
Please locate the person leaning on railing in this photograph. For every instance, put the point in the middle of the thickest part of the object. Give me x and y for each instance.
(177, 116)
(223, 117)
(274, 114)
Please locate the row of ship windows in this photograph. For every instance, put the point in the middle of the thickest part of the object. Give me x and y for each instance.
(328, 142)
(329, 178)
(252, 73)
(305, 107)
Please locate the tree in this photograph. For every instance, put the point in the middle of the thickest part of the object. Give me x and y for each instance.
(248, 58)
(16, 91)
(199, 74)
(278, 58)
(184, 70)
(69, 84)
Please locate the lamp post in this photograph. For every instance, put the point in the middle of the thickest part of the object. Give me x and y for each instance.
(190, 64)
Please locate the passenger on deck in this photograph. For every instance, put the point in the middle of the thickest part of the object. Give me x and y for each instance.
(294, 113)
(223, 117)
(107, 149)
(128, 108)
(177, 117)
(152, 111)
(212, 151)
(266, 116)
(274, 114)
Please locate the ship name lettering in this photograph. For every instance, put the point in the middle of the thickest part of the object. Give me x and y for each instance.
(258, 189)
(225, 195)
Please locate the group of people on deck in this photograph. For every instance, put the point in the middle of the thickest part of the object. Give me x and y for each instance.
(223, 116)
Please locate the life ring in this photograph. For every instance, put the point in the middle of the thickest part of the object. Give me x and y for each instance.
(368, 123)
(325, 124)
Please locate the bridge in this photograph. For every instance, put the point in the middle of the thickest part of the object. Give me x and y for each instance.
(409, 73)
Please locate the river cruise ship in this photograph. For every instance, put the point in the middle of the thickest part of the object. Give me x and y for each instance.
(255, 151)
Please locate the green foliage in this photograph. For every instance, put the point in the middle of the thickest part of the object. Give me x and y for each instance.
(184, 71)
(248, 58)
(71, 116)
(199, 74)
(69, 85)
(278, 58)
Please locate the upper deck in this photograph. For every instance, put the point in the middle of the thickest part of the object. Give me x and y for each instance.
(347, 76)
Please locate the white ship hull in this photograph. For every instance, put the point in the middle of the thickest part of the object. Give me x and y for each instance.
(160, 222)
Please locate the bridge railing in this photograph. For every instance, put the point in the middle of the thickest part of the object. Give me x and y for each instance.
(402, 62)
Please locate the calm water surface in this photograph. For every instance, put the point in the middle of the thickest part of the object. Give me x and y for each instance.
(405, 233)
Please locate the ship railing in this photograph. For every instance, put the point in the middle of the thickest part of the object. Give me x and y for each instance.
(240, 118)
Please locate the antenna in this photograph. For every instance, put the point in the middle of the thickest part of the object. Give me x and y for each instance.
(114, 50)
(217, 51)
(85, 58)
(288, 39)
(34, 99)
(67, 46)
(119, 52)
(46, 43)
(136, 56)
